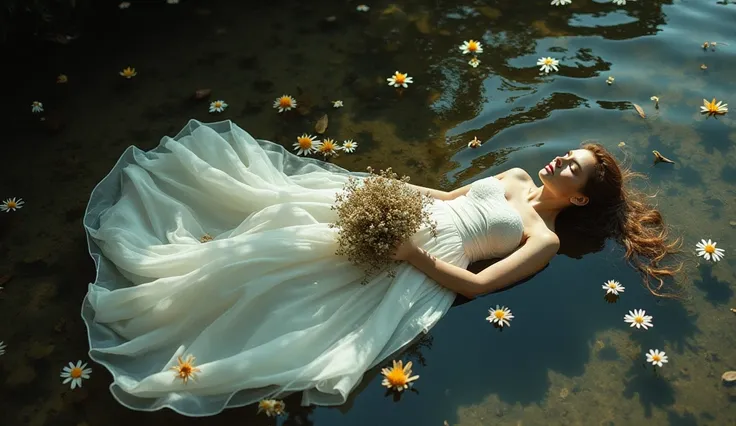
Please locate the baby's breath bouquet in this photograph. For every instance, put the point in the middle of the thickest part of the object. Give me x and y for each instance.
(374, 218)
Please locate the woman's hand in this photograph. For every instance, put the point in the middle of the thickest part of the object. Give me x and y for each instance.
(405, 250)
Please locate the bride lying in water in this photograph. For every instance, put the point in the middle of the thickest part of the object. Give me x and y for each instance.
(217, 246)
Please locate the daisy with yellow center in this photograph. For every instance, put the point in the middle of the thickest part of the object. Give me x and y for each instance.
(62, 78)
(36, 107)
(474, 62)
(400, 80)
(218, 106)
(713, 108)
(284, 103)
(349, 146)
(75, 374)
(472, 47)
(656, 357)
(186, 369)
(328, 147)
(11, 204)
(306, 144)
(613, 287)
(271, 407)
(128, 73)
(706, 249)
(399, 377)
(639, 318)
(548, 64)
(500, 317)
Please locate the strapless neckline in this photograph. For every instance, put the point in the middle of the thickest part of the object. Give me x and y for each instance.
(489, 225)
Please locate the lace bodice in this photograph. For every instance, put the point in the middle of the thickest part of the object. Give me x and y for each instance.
(488, 225)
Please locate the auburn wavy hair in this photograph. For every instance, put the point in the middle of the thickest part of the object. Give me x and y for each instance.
(616, 210)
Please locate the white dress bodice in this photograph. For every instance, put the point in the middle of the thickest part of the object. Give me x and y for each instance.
(488, 225)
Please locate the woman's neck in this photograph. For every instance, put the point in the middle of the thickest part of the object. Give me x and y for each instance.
(546, 204)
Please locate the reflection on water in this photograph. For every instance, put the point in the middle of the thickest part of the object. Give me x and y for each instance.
(568, 357)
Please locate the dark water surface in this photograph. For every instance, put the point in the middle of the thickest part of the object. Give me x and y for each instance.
(568, 357)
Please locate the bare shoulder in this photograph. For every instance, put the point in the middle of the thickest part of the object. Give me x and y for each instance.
(519, 174)
(542, 237)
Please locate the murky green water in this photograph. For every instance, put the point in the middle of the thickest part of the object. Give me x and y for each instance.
(568, 357)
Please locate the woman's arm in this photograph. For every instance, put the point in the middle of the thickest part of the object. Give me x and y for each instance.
(525, 261)
(434, 193)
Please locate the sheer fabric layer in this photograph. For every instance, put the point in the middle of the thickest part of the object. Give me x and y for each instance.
(265, 307)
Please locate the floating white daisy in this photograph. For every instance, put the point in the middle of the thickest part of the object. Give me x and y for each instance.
(474, 62)
(656, 357)
(548, 64)
(349, 145)
(337, 104)
(75, 374)
(500, 317)
(560, 2)
(398, 377)
(613, 287)
(471, 46)
(400, 80)
(218, 106)
(362, 8)
(713, 108)
(638, 319)
(306, 144)
(271, 407)
(36, 107)
(328, 147)
(12, 204)
(284, 103)
(706, 249)
(3, 346)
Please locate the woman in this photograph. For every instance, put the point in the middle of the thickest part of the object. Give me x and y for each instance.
(217, 246)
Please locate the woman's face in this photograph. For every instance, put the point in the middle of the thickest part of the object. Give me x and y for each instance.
(565, 176)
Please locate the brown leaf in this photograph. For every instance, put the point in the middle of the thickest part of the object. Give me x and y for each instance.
(640, 110)
(321, 125)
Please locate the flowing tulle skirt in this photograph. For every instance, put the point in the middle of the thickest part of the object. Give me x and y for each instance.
(266, 307)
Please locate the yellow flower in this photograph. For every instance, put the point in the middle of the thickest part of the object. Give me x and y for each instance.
(186, 370)
(271, 407)
(399, 377)
(306, 144)
(328, 147)
(400, 80)
(471, 46)
(284, 103)
(128, 73)
(713, 107)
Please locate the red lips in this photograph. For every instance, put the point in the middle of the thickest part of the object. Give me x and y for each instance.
(550, 168)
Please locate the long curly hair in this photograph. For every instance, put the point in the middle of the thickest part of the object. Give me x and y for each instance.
(616, 210)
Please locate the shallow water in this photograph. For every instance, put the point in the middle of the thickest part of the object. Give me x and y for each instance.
(568, 357)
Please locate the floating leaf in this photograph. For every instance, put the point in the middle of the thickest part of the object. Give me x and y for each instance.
(640, 110)
(321, 125)
(659, 158)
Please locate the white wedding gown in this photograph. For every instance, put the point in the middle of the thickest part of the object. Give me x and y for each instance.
(266, 307)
